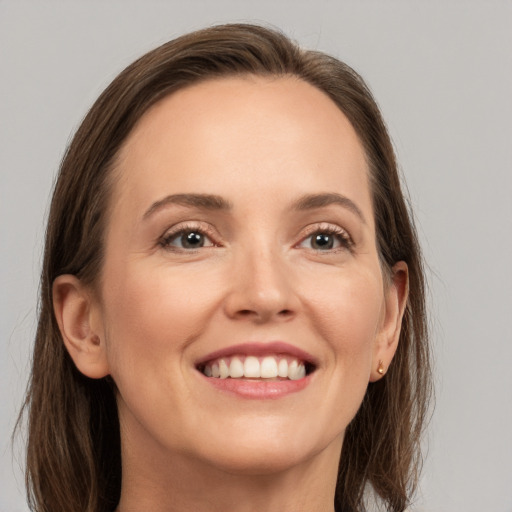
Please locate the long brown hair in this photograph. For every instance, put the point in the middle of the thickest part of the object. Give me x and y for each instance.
(73, 453)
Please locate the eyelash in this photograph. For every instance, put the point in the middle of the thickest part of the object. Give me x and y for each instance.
(344, 239)
(169, 236)
(346, 242)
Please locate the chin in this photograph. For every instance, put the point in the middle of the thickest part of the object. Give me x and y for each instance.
(263, 452)
(260, 461)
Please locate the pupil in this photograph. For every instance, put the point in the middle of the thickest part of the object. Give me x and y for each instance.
(192, 240)
(323, 241)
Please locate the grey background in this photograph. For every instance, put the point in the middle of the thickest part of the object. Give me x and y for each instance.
(442, 74)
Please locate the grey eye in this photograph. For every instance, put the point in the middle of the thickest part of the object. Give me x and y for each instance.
(192, 240)
(187, 239)
(322, 241)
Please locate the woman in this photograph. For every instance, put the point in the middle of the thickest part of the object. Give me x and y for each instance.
(232, 300)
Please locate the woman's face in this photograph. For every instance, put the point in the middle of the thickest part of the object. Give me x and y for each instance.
(241, 235)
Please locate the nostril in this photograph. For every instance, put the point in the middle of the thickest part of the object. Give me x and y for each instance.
(263, 315)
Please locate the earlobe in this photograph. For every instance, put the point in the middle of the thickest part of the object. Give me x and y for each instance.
(76, 315)
(387, 339)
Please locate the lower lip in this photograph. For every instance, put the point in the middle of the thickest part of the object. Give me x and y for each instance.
(258, 389)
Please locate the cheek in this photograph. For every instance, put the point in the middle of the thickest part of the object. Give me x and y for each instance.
(344, 311)
(152, 315)
(348, 309)
(347, 312)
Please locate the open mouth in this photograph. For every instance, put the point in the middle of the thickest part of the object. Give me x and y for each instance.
(265, 368)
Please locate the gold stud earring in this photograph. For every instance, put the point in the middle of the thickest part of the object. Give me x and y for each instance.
(380, 368)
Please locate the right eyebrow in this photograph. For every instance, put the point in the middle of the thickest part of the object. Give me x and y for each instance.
(203, 201)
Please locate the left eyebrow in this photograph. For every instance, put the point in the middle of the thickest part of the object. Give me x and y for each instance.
(312, 201)
(202, 201)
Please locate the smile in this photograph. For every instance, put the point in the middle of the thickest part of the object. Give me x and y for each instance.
(252, 367)
(258, 370)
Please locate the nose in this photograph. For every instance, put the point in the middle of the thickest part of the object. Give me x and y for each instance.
(262, 288)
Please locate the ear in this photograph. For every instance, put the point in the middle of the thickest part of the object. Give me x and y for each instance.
(386, 342)
(79, 319)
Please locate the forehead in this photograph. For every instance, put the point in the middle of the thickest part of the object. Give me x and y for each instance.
(232, 134)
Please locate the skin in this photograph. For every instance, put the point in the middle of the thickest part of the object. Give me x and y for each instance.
(260, 144)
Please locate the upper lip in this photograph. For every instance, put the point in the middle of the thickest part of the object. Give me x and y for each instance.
(259, 349)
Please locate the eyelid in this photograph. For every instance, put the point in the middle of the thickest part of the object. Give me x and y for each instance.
(198, 226)
(333, 229)
(206, 229)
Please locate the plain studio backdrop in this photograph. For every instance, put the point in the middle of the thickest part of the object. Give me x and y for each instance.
(442, 75)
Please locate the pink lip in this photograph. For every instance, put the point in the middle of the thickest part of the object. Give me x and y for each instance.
(259, 349)
(259, 389)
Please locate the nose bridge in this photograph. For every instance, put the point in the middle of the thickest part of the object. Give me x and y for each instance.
(262, 286)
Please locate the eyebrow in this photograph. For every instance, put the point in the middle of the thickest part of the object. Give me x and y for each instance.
(312, 201)
(214, 202)
(203, 201)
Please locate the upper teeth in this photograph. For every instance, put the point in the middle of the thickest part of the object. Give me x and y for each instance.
(267, 367)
